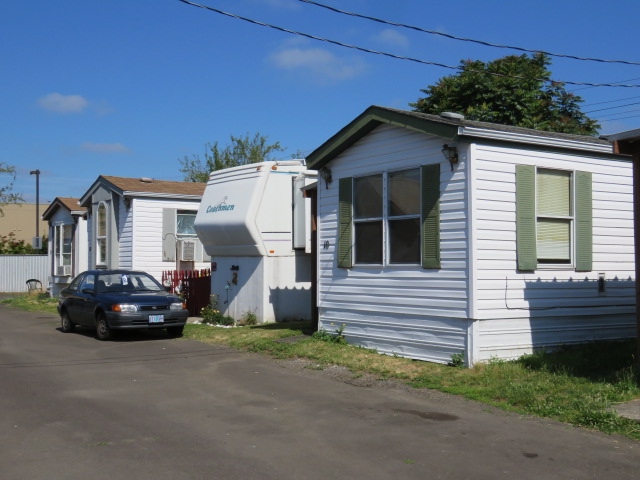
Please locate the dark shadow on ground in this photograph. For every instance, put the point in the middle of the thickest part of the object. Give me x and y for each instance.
(608, 361)
(305, 327)
(134, 335)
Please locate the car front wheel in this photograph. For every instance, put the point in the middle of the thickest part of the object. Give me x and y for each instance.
(103, 331)
(175, 332)
(66, 323)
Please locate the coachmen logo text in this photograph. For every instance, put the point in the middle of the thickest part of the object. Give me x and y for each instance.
(221, 207)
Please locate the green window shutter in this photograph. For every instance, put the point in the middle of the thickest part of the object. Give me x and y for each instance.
(526, 217)
(584, 222)
(345, 194)
(430, 216)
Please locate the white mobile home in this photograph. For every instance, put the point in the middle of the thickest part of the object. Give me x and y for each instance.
(143, 224)
(439, 236)
(67, 241)
(253, 223)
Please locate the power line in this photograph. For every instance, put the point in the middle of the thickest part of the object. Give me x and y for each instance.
(610, 101)
(612, 108)
(386, 54)
(616, 83)
(620, 113)
(619, 118)
(463, 39)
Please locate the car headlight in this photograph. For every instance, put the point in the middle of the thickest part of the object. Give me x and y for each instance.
(125, 308)
(177, 306)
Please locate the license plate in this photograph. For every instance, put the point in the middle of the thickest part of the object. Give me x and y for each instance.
(156, 318)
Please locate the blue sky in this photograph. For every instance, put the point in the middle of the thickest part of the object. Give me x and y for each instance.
(127, 88)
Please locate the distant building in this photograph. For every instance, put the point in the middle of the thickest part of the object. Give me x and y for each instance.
(20, 219)
(68, 243)
(143, 224)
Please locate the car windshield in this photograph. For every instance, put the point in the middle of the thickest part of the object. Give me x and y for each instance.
(127, 282)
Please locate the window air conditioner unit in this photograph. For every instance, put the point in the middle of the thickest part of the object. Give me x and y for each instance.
(64, 270)
(187, 250)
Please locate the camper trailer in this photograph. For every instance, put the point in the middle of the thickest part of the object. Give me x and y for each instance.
(254, 222)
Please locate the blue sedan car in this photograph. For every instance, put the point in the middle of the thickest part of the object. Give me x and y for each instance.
(111, 300)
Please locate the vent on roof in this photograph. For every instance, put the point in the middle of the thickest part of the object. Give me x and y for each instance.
(452, 115)
(146, 180)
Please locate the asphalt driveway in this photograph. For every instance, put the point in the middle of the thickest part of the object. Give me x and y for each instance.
(147, 407)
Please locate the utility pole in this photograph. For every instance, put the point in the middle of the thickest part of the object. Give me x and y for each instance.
(36, 240)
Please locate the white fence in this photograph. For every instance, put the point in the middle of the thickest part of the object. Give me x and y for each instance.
(15, 270)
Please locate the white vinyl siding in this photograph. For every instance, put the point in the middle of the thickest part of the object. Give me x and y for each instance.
(397, 309)
(125, 246)
(147, 243)
(478, 301)
(517, 311)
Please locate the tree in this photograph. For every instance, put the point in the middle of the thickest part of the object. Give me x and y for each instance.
(242, 151)
(6, 195)
(9, 245)
(513, 90)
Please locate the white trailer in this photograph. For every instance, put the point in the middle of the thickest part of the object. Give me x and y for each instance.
(255, 224)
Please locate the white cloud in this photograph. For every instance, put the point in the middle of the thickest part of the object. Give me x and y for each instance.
(105, 148)
(321, 63)
(58, 103)
(391, 37)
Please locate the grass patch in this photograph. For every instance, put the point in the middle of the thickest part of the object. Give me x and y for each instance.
(578, 385)
(35, 302)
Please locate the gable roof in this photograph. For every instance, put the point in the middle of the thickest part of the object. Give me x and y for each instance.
(146, 187)
(449, 127)
(72, 205)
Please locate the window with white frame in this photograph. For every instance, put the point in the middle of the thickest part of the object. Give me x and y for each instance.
(179, 236)
(390, 218)
(403, 216)
(185, 220)
(368, 218)
(62, 250)
(554, 218)
(101, 235)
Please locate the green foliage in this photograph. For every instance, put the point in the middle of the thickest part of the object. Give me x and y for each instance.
(6, 190)
(457, 360)
(604, 361)
(10, 246)
(42, 302)
(337, 336)
(249, 319)
(211, 315)
(241, 151)
(513, 90)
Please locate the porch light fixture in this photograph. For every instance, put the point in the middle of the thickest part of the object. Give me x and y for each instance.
(325, 174)
(451, 154)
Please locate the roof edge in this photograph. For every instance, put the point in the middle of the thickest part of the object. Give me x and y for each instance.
(87, 195)
(448, 128)
(367, 121)
(60, 202)
(548, 141)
